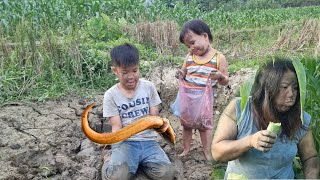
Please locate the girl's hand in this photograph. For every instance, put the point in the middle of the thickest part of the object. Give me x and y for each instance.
(216, 75)
(263, 140)
(179, 74)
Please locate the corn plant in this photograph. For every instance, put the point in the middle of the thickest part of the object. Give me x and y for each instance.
(302, 79)
(245, 91)
(312, 66)
(254, 18)
(311, 70)
(66, 16)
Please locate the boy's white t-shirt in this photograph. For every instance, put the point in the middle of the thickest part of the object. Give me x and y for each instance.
(132, 109)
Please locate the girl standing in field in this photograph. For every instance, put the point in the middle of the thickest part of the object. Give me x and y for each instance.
(202, 63)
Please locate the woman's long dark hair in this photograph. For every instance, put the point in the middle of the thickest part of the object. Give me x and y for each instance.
(266, 87)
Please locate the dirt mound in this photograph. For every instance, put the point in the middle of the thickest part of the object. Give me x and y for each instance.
(44, 140)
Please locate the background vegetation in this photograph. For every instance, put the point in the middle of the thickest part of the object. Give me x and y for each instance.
(49, 49)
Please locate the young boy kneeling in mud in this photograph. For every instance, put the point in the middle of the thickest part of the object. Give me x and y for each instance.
(124, 103)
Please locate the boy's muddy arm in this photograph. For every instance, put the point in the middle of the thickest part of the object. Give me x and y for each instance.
(154, 111)
(115, 122)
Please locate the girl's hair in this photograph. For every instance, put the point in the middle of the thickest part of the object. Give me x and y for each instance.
(266, 87)
(124, 55)
(197, 26)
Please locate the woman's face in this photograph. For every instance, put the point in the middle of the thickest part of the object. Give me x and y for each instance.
(288, 92)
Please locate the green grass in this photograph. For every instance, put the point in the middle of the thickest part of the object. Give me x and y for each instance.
(238, 64)
(218, 171)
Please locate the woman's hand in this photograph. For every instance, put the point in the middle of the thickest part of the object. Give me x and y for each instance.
(263, 140)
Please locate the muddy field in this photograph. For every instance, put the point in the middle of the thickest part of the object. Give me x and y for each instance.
(44, 140)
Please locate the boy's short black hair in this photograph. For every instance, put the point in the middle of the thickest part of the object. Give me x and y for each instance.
(197, 26)
(124, 55)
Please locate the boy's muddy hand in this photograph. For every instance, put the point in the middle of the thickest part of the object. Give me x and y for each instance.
(164, 127)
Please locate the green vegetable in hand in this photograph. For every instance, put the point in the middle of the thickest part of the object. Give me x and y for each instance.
(274, 127)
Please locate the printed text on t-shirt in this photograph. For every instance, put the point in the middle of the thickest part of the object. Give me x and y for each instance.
(129, 110)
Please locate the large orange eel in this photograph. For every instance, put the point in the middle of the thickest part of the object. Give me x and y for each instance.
(147, 122)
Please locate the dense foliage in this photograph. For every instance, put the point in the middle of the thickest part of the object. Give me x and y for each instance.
(67, 16)
(312, 67)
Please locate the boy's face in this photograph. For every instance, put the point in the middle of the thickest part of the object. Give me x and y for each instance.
(128, 76)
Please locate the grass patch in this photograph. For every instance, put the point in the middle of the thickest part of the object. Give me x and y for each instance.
(218, 171)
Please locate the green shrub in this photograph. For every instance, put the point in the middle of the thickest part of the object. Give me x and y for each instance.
(103, 28)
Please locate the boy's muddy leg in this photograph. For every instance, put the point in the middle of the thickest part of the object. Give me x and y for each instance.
(115, 172)
(158, 171)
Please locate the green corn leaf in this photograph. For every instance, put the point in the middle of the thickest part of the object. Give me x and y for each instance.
(302, 79)
(245, 90)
